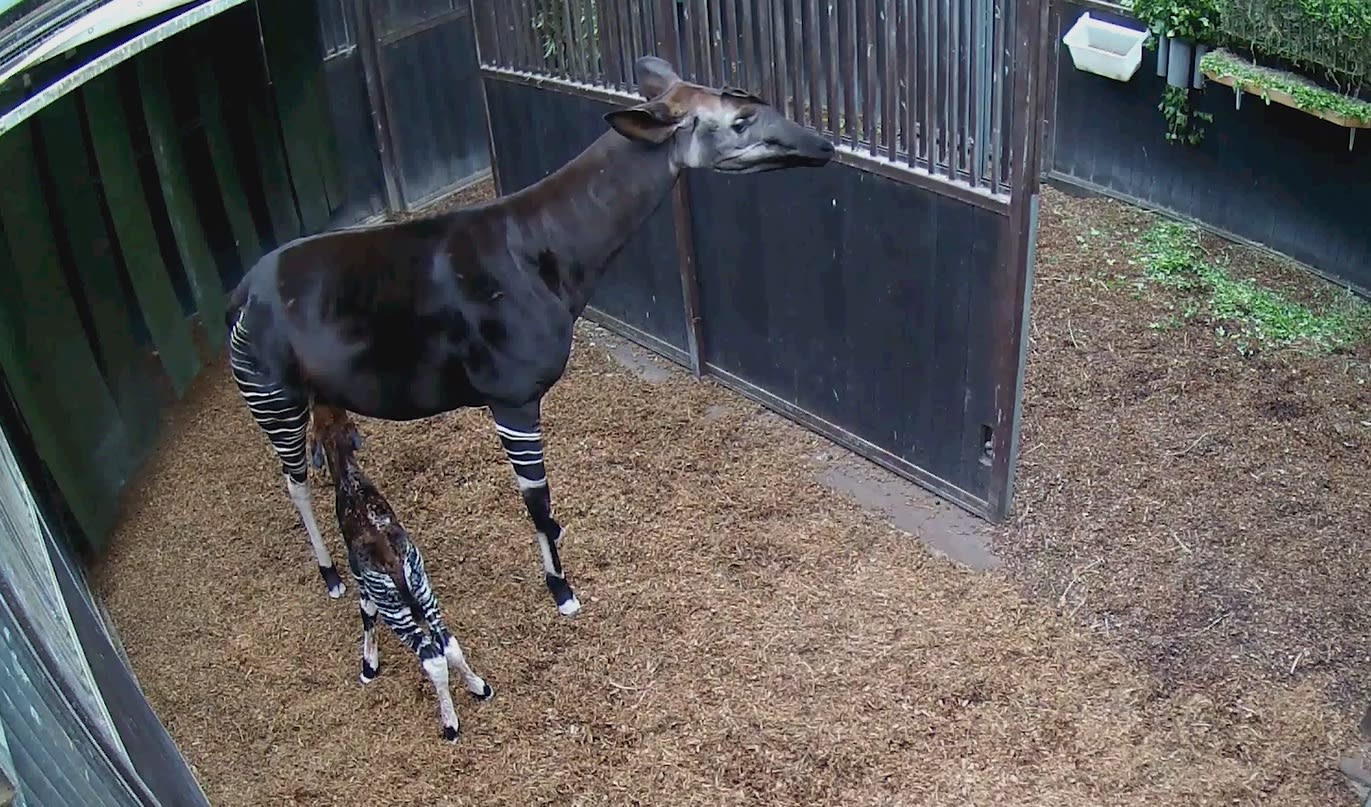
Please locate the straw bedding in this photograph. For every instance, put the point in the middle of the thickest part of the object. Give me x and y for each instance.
(749, 637)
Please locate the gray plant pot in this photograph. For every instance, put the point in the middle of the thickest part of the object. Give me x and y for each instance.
(1197, 76)
(1163, 47)
(1178, 65)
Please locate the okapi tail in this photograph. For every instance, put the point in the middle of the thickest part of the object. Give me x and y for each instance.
(236, 299)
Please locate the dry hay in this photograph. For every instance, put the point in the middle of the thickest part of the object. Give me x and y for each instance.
(749, 637)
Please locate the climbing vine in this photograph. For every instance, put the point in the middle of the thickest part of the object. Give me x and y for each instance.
(1180, 118)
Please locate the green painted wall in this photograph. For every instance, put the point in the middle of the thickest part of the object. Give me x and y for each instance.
(142, 194)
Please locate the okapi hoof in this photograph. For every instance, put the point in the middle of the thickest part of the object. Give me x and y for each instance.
(332, 581)
(567, 604)
(369, 672)
(484, 694)
(450, 733)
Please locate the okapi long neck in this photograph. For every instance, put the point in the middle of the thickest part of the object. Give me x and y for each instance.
(580, 217)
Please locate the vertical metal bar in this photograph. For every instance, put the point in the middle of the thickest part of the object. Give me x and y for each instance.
(521, 33)
(485, 23)
(750, 74)
(891, 119)
(847, 68)
(637, 36)
(573, 46)
(533, 44)
(714, 35)
(665, 34)
(688, 48)
(369, 50)
(767, 65)
(501, 35)
(623, 52)
(870, 91)
(609, 58)
(975, 91)
(930, 84)
(946, 135)
(815, 65)
(954, 96)
(997, 80)
(699, 23)
(732, 73)
(795, 65)
(909, 28)
(781, 65)
(830, 69)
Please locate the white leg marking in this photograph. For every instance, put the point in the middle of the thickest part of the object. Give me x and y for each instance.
(545, 548)
(529, 484)
(371, 649)
(299, 494)
(474, 683)
(436, 670)
(572, 606)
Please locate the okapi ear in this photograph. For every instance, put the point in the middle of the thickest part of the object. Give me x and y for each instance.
(655, 76)
(742, 95)
(653, 122)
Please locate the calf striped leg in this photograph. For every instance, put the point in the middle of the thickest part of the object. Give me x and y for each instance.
(401, 616)
(371, 650)
(521, 433)
(283, 415)
(423, 593)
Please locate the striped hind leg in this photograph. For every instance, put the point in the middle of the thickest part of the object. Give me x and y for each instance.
(282, 414)
(422, 589)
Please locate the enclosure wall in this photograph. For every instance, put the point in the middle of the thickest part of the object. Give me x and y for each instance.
(422, 120)
(879, 300)
(842, 296)
(1264, 173)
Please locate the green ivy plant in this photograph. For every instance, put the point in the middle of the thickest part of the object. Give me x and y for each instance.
(1195, 20)
(1180, 118)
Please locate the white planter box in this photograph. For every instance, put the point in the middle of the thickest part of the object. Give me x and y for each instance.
(1104, 48)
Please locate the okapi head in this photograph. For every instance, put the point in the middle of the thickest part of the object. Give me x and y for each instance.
(335, 437)
(726, 129)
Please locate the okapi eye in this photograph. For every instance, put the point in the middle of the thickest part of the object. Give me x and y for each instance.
(740, 125)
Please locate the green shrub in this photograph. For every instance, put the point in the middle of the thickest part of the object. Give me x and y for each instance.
(1331, 38)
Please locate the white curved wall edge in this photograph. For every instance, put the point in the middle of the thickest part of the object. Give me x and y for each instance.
(111, 58)
(109, 17)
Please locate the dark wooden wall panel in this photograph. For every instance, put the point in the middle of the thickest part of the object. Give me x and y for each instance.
(854, 298)
(432, 83)
(536, 132)
(1268, 174)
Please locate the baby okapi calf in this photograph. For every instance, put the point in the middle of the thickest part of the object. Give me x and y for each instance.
(388, 569)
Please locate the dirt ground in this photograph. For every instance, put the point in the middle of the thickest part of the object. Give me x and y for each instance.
(1175, 622)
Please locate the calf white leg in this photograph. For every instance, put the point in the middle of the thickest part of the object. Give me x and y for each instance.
(371, 650)
(435, 667)
(474, 683)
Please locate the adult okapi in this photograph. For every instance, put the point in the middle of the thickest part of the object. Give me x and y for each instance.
(474, 306)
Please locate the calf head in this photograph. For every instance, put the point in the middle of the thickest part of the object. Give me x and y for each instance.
(335, 436)
(724, 129)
